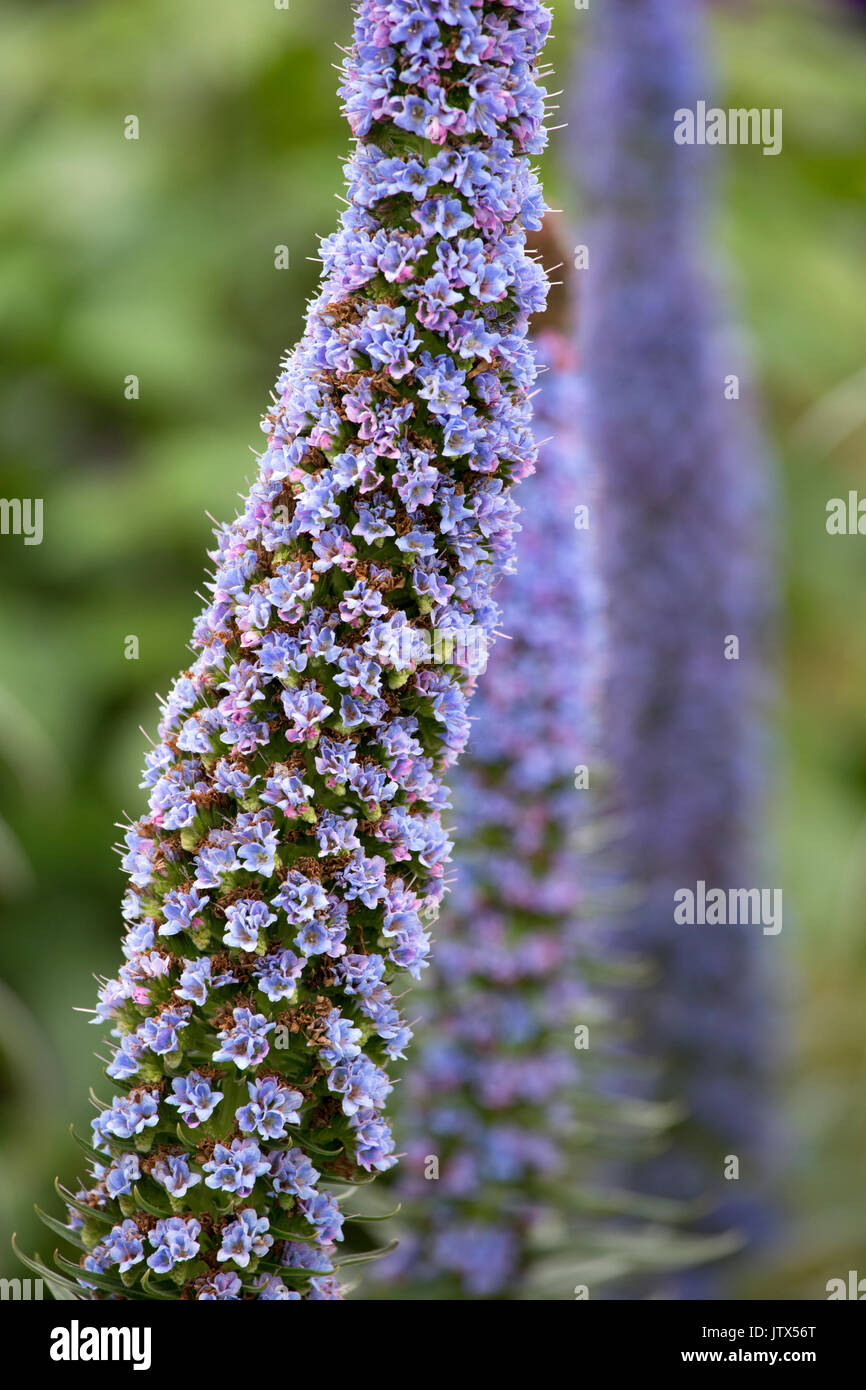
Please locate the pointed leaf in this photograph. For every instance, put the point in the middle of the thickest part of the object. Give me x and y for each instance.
(153, 1292)
(386, 1216)
(93, 1212)
(364, 1259)
(60, 1229)
(306, 1143)
(48, 1275)
(88, 1149)
(110, 1283)
(148, 1206)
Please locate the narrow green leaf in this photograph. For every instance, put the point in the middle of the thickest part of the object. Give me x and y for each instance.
(110, 1283)
(88, 1149)
(153, 1291)
(93, 1212)
(306, 1143)
(386, 1216)
(351, 1182)
(364, 1259)
(48, 1275)
(60, 1229)
(186, 1137)
(148, 1206)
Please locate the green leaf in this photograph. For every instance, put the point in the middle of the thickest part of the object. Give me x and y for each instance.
(153, 1291)
(63, 1291)
(364, 1259)
(148, 1206)
(53, 1280)
(186, 1137)
(280, 1234)
(306, 1143)
(352, 1182)
(109, 1282)
(60, 1229)
(386, 1216)
(87, 1148)
(91, 1212)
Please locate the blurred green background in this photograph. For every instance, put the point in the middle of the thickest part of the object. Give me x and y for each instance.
(156, 257)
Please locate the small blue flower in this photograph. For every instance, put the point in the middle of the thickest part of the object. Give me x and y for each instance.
(246, 1237)
(235, 1169)
(194, 1098)
(271, 1108)
(173, 1173)
(118, 1180)
(292, 1172)
(323, 1213)
(245, 1043)
(174, 1240)
(122, 1247)
(272, 1288)
(218, 1288)
(247, 921)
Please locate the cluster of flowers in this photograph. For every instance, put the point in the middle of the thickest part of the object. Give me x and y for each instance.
(493, 1094)
(292, 856)
(685, 563)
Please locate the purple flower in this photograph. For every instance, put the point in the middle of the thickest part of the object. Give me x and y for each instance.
(493, 1092)
(482, 1256)
(128, 1116)
(373, 1140)
(245, 1238)
(343, 1040)
(300, 898)
(218, 1287)
(181, 911)
(196, 980)
(173, 1173)
(324, 1215)
(245, 1043)
(122, 1247)
(292, 1171)
(160, 1034)
(290, 794)
(277, 974)
(235, 1169)
(297, 1255)
(273, 1288)
(256, 854)
(362, 1085)
(118, 1180)
(325, 1289)
(194, 1098)
(247, 920)
(271, 1108)
(174, 1240)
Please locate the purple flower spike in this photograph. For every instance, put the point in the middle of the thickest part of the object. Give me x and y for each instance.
(687, 562)
(291, 861)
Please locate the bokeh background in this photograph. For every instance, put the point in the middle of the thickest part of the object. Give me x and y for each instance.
(156, 258)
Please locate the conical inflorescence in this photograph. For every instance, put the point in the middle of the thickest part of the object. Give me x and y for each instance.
(686, 564)
(291, 859)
